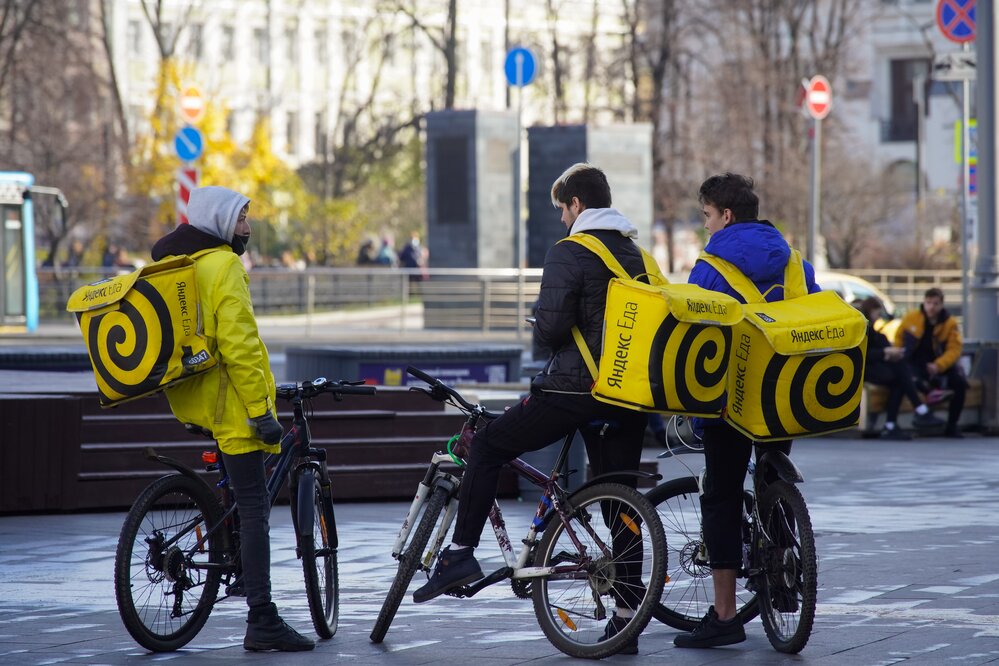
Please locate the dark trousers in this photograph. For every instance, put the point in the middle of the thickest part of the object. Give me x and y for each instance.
(897, 377)
(533, 424)
(249, 484)
(952, 379)
(726, 459)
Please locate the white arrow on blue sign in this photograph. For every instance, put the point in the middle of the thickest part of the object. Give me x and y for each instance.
(188, 143)
(519, 67)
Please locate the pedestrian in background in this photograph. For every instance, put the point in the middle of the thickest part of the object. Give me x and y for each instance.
(932, 343)
(884, 365)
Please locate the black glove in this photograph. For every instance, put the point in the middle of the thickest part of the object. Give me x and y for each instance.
(267, 428)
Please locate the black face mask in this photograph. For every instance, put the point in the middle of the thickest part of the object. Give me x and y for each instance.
(239, 243)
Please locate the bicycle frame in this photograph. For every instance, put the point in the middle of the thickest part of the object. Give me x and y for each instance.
(553, 502)
(296, 444)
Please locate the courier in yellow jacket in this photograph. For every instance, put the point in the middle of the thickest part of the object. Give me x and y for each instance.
(241, 386)
(235, 399)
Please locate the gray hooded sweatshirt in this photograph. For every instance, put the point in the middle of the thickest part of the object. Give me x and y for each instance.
(215, 211)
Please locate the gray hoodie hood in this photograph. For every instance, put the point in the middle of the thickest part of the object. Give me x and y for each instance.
(215, 210)
(603, 218)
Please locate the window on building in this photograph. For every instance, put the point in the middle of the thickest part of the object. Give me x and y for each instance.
(902, 123)
(228, 43)
(133, 37)
(322, 52)
(348, 40)
(320, 135)
(291, 44)
(260, 46)
(194, 47)
(291, 133)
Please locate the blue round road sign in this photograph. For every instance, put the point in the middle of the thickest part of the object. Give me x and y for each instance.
(519, 66)
(956, 19)
(188, 143)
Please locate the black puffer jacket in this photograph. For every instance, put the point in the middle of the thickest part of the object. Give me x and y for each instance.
(573, 292)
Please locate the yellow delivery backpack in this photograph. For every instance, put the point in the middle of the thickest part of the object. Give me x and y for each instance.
(143, 331)
(665, 346)
(797, 366)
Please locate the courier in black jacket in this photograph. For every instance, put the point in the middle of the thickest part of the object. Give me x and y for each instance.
(573, 293)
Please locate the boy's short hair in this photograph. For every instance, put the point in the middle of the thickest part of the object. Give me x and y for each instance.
(934, 292)
(585, 182)
(732, 191)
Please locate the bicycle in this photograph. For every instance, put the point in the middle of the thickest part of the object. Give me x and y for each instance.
(579, 564)
(180, 540)
(779, 571)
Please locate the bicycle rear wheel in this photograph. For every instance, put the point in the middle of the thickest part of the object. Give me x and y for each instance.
(688, 591)
(409, 561)
(319, 553)
(163, 590)
(623, 558)
(786, 550)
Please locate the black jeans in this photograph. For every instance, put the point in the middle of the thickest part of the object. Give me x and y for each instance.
(897, 377)
(249, 483)
(726, 459)
(533, 424)
(953, 379)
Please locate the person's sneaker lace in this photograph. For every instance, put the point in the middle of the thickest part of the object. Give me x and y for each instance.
(454, 569)
(712, 632)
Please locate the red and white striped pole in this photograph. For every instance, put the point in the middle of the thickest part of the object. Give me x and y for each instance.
(187, 180)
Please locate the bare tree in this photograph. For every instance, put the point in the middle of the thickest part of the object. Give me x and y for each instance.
(444, 39)
(559, 62)
(57, 113)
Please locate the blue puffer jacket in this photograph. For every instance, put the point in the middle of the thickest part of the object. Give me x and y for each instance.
(761, 253)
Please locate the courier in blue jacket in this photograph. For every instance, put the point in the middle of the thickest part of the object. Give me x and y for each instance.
(755, 247)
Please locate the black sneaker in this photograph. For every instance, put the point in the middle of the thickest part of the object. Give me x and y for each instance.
(615, 625)
(454, 569)
(712, 632)
(895, 434)
(265, 630)
(954, 433)
(927, 420)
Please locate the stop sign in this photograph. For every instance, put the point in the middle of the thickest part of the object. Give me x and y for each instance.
(818, 97)
(192, 106)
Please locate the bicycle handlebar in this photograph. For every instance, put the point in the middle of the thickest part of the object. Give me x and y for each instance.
(310, 389)
(440, 391)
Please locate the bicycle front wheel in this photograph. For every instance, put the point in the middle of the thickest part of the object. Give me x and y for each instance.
(619, 567)
(688, 591)
(409, 561)
(162, 585)
(319, 552)
(786, 549)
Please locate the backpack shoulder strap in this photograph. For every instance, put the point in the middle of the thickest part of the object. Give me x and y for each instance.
(735, 278)
(594, 245)
(795, 285)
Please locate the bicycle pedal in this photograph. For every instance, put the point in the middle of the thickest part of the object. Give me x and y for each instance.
(236, 589)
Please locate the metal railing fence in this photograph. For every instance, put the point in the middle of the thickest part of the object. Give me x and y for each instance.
(475, 299)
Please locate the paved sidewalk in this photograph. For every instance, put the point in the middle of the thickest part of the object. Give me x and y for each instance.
(908, 538)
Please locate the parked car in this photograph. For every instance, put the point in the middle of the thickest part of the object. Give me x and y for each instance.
(852, 289)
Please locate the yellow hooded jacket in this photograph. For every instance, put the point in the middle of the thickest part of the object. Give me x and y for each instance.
(241, 386)
(946, 336)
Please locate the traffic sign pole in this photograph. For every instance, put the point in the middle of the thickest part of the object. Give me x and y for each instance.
(818, 102)
(966, 229)
(815, 187)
